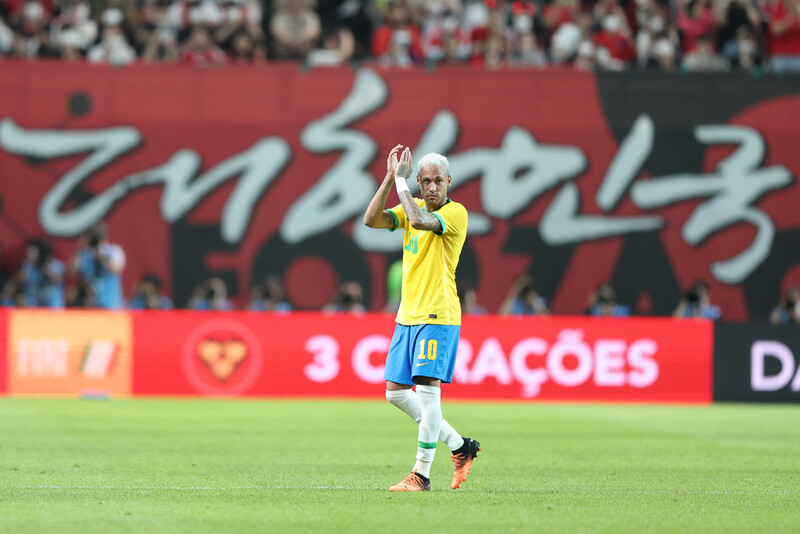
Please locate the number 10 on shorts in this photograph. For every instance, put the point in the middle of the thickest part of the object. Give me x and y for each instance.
(432, 346)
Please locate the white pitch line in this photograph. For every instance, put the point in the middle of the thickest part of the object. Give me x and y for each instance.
(381, 488)
(185, 488)
(130, 488)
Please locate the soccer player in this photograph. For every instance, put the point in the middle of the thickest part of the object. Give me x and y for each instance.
(423, 349)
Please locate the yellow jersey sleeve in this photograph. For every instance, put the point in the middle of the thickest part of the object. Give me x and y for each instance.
(399, 215)
(453, 217)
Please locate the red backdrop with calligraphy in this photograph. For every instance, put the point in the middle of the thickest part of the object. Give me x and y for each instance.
(492, 117)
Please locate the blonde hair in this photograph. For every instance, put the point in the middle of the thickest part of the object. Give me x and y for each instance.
(437, 160)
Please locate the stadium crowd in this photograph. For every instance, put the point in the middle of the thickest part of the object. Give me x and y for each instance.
(686, 35)
(97, 264)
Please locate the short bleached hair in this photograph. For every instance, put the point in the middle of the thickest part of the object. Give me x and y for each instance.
(437, 160)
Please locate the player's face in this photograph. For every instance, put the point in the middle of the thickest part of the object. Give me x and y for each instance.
(433, 186)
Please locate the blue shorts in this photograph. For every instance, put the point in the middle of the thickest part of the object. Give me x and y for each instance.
(422, 350)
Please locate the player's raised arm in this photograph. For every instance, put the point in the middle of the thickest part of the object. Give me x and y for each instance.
(418, 219)
(375, 216)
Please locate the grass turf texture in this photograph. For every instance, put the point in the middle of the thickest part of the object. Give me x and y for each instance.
(325, 466)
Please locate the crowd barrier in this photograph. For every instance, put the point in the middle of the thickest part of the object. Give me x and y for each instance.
(304, 354)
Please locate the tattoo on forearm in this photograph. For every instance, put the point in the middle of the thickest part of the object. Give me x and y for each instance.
(428, 220)
(409, 205)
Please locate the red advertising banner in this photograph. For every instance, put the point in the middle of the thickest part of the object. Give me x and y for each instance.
(308, 354)
(3, 349)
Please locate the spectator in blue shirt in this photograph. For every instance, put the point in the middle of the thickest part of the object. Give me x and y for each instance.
(99, 264)
(269, 296)
(11, 294)
(5, 276)
(42, 277)
(211, 295)
(469, 300)
(788, 310)
(524, 299)
(603, 302)
(697, 303)
(81, 296)
(148, 295)
(349, 298)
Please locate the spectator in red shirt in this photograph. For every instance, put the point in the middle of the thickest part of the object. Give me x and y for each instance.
(558, 12)
(445, 38)
(784, 35)
(616, 38)
(696, 20)
(15, 9)
(201, 50)
(491, 40)
(398, 41)
(611, 7)
(32, 32)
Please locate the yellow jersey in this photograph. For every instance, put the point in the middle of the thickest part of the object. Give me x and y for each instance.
(429, 293)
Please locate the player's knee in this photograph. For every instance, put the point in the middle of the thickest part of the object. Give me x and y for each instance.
(398, 396)
(405, 400)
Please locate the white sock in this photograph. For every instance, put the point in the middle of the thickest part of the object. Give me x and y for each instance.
(407, 400)
(430, 402)
(450, 437)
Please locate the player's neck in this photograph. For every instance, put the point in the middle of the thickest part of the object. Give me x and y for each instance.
(433, 207)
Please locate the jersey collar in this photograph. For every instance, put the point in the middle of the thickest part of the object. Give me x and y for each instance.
(446, 202)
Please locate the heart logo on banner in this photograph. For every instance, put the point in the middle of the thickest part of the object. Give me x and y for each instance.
(222, 357)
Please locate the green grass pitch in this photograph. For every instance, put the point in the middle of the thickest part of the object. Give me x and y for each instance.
(324, 466)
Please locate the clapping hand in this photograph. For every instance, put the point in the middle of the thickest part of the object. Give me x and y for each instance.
(391, 162)
(405, 166)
